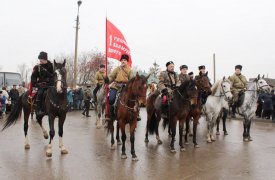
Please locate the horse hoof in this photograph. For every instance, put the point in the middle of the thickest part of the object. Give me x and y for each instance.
(146, 140)
(46, 136)
(225, 133)
(245, 139)
(123, 156)
(98, 127)
(48, 154)
(27, 146)
(186, 143)
(159, 142)
(209, 141)
(119, 143)
(64, 151)
(196, 146)
(135, 159)
(182, 149)
(173, 151)
(113, 147)
(250, 139)
(217, 133)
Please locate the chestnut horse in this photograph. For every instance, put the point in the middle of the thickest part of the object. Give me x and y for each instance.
(127, 111)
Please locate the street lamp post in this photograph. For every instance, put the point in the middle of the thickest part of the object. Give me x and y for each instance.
(76, 43)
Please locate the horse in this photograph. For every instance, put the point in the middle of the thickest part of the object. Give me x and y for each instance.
(223, 115)
(127, 111)
(100, 105)
(55, 105)
(218, 100)
(249, 105)
(184, 97)
(204, 89)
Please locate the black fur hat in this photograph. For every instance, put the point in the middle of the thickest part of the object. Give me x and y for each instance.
(168, 63)
(124, 56)
(43, 55)
(102, 66)
(239, 67)
(183, 66)
(201, 67)
(191, 74)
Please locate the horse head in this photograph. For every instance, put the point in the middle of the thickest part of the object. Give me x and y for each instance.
(225, 88)
(139, 87)
(262, 84)
(203, 83)
(60, 75)
(188, 90)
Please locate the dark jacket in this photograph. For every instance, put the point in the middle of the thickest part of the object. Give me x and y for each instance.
(267, 99)
(42, 73)
(14, 94)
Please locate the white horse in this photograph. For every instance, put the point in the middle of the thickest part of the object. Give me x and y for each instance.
(100, 105)
(249, 106)
(219, 98)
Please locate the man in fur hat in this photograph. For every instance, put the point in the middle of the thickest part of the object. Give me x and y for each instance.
(183, 73)
(238, 87)
(99, 78)
(168, 81)
(41, 78)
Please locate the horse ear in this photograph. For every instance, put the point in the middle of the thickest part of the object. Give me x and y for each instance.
(206, 74)
(137, 75)
(200, 73)
(258, 76)
(223, 78)
(64, 63)
(262, 76)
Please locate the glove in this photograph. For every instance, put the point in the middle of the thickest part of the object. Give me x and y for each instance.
(106, 80)
(164, 91)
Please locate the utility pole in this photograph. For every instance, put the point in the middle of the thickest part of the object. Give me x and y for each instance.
(214, 67)
(76, 44)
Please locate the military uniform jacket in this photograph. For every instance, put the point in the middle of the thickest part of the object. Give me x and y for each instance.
(168, 80)
(119, 76)
(42, 73)
(87, 94)
(183, 77)
(239, 82)
(99, 77)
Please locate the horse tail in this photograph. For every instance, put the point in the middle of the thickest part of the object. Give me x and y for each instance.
(15, 113)
(152, 124)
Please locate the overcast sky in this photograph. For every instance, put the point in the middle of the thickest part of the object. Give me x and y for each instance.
(186, 32)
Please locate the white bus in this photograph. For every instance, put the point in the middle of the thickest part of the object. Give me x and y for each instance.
(8, 79)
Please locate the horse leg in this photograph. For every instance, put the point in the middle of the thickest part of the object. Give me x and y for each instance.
(45, 133)
(209, 119)
(61, 121)
(123, 138)
(180, 135)
(195, 124)
(52, 133)
(132, 139)
(157, 132)
(186, 131)
(173, 130)
(245, 125)
(146, 134)
(225, 113)
(213, 123)
(218, 126)
(112, 135)
(248, 130)
(26, 126)
(117, 134)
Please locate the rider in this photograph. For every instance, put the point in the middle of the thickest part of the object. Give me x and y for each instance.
(119, 77)
(41, 78)
(191, 75)
(99, 78)
(203, 95)
(183, 73)
(239, 83)
(168, 80)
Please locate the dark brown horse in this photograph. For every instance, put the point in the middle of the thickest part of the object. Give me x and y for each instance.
(127, 111)
(183, 97)
(204, 89)
(55, 105)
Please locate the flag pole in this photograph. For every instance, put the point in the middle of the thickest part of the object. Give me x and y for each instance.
(106, 65)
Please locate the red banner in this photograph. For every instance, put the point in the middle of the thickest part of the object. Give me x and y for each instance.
(116, 44)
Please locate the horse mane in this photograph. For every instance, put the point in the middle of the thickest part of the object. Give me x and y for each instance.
(184, 85)
(215, 86)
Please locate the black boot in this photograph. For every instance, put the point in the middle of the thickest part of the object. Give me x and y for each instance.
(39, 112)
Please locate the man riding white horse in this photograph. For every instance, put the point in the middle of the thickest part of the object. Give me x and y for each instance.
(238, 87)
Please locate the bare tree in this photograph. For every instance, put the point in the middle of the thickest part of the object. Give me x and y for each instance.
(23, 70)
(154, 72)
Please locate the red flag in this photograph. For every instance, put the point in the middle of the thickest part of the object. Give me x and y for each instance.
(116, 44)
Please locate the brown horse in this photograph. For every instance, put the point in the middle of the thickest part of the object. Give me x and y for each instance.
(183, 97)
(204, 89)
(127, 111)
